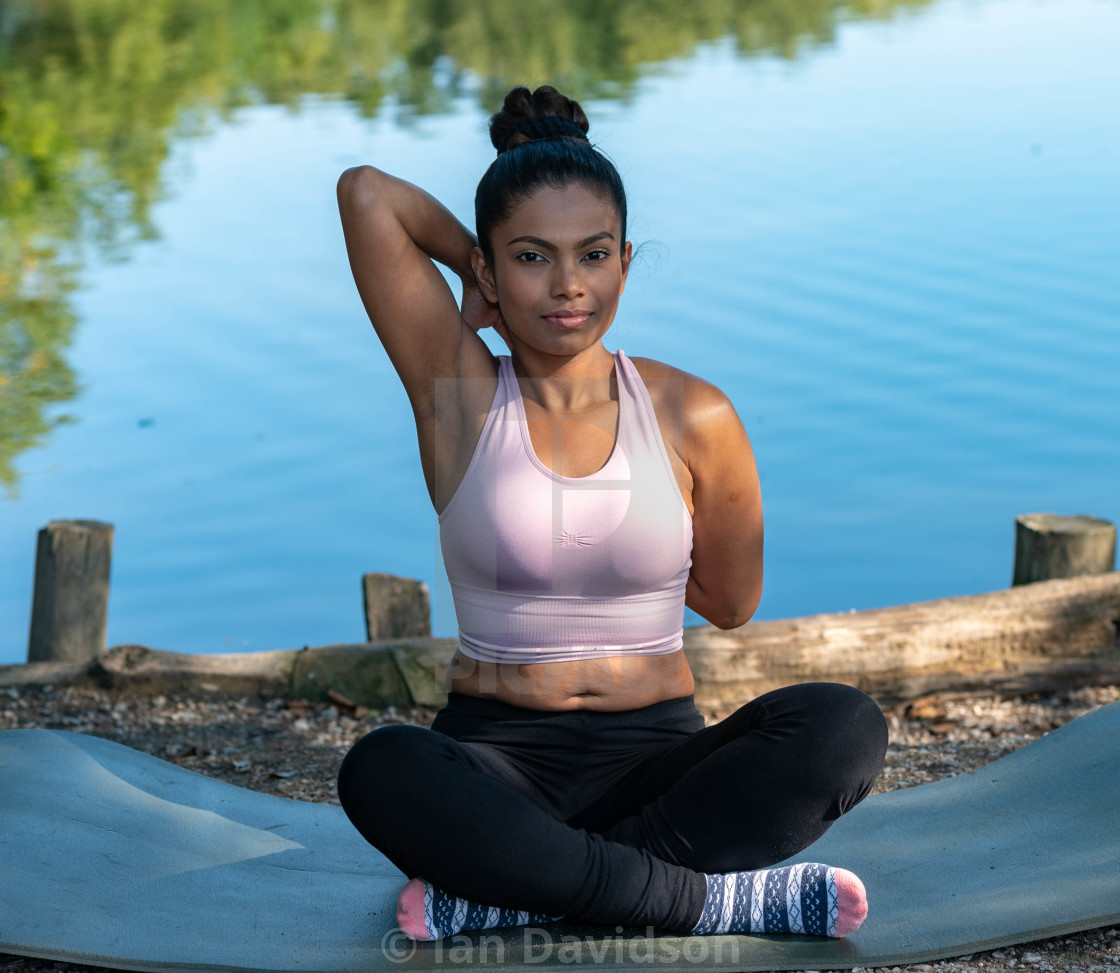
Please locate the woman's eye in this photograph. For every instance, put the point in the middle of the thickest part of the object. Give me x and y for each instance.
(529, 257)
(598, 255)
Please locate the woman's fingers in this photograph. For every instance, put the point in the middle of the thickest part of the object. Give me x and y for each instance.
(478, 312)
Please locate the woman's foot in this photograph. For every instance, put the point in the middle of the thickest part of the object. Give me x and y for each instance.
(425, 912)
(806, 898)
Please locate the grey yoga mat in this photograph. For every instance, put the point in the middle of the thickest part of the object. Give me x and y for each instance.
(112, 857)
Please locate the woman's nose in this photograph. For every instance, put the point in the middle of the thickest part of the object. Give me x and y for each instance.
(568, 280)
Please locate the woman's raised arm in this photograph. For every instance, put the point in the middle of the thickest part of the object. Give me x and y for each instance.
(394, 231)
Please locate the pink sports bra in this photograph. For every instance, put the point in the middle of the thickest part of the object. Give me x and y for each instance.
(551, 568)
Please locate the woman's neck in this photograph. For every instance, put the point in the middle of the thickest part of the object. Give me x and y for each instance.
(566, 384)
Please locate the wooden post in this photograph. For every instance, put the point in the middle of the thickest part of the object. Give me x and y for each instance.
(70, 603)
(1048, 546)
(396, 608)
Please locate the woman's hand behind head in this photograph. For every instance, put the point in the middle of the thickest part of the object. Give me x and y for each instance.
(479, 313)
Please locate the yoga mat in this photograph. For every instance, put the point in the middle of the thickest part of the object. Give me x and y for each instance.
(112, 857)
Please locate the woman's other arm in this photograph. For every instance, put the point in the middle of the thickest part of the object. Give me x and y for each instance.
(394, 231)
(725, 583)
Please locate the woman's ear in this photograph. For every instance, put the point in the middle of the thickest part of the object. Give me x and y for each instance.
(484, 274)
(626, 256)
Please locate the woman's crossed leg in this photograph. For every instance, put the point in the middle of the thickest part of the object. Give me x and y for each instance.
(677, 835)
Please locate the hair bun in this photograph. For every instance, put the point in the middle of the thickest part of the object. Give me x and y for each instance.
(558, 116)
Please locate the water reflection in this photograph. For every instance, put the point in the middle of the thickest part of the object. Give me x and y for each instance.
(94, 93)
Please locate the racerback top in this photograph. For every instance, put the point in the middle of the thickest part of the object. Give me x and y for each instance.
(552, 568)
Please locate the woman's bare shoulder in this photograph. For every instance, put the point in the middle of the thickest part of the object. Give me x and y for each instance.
(696, 417)
(696, 397)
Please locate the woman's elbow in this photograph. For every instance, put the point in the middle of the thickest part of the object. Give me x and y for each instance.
(358, 185)
(729, 611)
(735, 615)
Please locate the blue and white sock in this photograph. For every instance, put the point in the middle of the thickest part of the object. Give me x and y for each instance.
(809, 898)
(443, 914)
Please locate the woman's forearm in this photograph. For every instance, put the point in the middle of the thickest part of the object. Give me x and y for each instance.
(366, 193)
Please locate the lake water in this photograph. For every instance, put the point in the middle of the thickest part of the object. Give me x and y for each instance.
(892, 238)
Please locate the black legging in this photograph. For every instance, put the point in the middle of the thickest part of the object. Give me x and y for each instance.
(610, 817)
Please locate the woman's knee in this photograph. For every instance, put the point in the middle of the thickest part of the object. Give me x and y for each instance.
(858, 719)
(375, 764)
(378, 789)
(857, 741)
(837, 736)
(838, 712)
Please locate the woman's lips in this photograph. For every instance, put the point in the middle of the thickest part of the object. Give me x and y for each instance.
(568, 319)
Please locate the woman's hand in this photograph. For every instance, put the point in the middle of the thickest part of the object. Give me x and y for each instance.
(479, 313)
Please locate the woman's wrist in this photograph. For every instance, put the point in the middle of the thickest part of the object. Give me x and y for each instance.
(436, 231)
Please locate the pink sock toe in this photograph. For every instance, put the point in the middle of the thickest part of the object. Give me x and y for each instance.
(852, 901)
(410, 911)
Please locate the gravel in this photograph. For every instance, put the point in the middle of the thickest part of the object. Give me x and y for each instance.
(293, 749)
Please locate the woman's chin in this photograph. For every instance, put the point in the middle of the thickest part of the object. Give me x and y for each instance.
(567, 341)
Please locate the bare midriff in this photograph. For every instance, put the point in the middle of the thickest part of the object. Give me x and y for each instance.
(607, 683)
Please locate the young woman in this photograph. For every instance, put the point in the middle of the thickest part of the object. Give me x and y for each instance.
(584, 499)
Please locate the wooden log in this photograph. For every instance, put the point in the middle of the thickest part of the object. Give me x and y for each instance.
(137, 667)
(395, 608)
(45, 674)
(366, 674)
(1041, 637)
(70, 603)
(1044, 636)
(422, 664)
(1048, 546)
(407, 672)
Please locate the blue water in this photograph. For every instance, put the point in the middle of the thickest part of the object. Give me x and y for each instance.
(898, 255)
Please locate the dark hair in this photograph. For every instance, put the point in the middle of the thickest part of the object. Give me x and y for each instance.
(537, 142)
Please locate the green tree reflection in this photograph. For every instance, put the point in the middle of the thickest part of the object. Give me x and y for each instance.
(94, 92)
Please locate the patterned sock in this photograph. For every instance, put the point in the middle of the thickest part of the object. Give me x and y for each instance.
(425, 912)
(806, 898)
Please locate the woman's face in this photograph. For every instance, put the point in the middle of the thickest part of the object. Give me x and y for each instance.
(559, 269)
